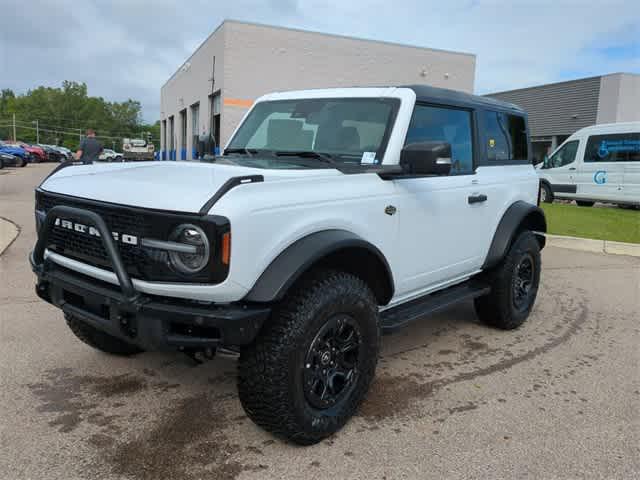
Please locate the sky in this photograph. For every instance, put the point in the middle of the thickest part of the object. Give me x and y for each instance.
(128, 48)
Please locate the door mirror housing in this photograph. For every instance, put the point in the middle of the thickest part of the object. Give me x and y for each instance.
(426, 158)
(545, 162)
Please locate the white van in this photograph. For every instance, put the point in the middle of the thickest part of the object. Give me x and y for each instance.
(600, 163)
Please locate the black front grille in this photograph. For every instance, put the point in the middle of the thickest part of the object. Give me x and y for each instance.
(89, 249)
(140, 262)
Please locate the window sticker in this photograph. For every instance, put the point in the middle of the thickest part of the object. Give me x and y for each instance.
(608, 146)
(368, 158)
(492, 142)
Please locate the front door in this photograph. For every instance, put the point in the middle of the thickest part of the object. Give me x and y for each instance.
(561, 169)
(440, 217)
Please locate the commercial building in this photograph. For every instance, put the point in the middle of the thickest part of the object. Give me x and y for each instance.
(210, 93)
(557, 110)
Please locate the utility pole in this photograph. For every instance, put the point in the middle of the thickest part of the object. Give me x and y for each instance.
(37, 131)
(14, 127)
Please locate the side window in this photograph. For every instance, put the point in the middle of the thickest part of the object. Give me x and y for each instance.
(617, 147)
(506, 137)
(436, 124)
(564, 156)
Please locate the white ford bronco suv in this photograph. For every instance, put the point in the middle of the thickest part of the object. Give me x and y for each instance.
(332, 216)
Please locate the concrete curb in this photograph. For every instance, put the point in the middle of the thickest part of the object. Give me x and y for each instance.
(9, 231)
(597, 246)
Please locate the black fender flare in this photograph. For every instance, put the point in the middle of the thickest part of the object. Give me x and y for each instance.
(298, 257)
(509, 225)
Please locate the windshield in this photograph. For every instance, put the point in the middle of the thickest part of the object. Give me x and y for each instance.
(349, 131)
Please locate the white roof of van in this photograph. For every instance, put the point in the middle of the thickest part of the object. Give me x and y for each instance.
(622, 127)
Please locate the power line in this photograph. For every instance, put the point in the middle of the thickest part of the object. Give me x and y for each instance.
(78, 131)
(46, 123)
(59, 131)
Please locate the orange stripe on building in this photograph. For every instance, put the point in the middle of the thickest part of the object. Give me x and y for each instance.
(238, 102)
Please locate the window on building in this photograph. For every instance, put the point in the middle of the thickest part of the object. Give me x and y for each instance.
(617, 147)
(506, 137)
(564, 156)
(453, 126)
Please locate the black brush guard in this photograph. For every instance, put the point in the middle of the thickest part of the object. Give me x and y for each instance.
(150, 322)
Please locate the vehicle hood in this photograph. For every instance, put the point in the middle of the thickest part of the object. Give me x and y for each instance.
(13, 150)
(173, 186)
(30, 148)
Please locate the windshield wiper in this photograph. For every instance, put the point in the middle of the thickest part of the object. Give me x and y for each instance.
(323, 157)
(246, 151)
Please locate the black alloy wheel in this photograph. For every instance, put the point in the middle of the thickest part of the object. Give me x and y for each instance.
(523, 278)
(331, 363)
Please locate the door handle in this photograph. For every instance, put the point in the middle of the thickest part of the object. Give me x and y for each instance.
(477, 198)
(572, 168)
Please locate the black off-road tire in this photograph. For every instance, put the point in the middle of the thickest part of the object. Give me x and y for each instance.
(498, 308)
(546, 194)
(585, 203)
(271, 369)
(100, 340)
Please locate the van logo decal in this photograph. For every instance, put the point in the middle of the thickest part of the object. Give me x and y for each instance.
(600, 177)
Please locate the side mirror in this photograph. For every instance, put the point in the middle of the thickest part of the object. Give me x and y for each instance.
(426, 158)
(545, 161)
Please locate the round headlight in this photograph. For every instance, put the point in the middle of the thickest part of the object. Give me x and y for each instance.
(193, 259)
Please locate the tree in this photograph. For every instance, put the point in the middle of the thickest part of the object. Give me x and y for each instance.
(64, 113)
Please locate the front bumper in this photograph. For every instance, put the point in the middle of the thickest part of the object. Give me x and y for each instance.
(150, 322)
(137, 156)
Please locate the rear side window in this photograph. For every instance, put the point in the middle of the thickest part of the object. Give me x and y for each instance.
(453, 126)
(506, 137)
(615, 147)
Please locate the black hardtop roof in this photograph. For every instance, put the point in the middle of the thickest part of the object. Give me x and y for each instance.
(427, 94)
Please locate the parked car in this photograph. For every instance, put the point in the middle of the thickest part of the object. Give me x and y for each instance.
(36, 153)
(15, 151)
(68, 154)
(600, 163)
(137, 149)
(8, 159)
(334, 215)
(52, 154)
(109, 155)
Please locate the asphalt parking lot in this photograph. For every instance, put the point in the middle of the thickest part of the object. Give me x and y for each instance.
(558, 398)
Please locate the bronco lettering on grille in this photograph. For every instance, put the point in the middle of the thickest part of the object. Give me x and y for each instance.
(93, 232)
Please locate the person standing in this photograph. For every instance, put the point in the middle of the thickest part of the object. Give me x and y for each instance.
(90, 148)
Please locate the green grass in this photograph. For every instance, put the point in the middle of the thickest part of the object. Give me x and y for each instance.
(600, 223)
